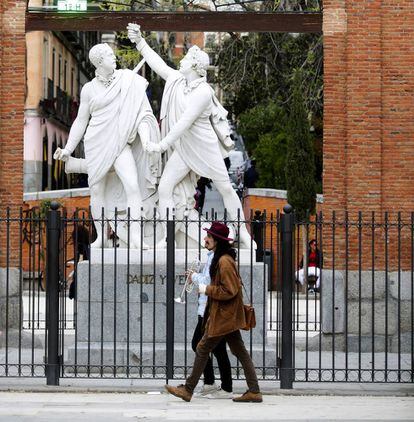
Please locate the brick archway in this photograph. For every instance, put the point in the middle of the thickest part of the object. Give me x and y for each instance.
(368, 97)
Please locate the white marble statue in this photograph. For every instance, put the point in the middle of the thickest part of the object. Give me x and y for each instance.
(116, 121)
(187, 107)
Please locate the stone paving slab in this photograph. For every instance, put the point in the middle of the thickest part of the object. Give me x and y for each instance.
(156, 406)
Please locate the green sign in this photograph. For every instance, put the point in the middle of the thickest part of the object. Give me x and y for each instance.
(72, 5)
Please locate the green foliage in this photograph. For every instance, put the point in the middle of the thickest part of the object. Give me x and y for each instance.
(259, 120)
(40, 212)
(44, 207)
(264, 134)
(127, 54)
(270, 156)
(257, 67)
(300, 162)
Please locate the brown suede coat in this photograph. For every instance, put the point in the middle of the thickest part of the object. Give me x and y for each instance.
(224, 312)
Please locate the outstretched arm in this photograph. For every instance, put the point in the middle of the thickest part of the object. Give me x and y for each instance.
(197, 103)
(81, 122)
(156, 63)
(78, 127)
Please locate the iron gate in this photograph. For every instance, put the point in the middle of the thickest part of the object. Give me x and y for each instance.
(123, 323)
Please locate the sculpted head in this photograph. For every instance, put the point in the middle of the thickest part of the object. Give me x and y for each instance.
(101, 55)
(195, 60)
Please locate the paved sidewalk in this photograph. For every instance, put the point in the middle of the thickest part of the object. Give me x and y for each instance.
(108, 400)
(157, 406)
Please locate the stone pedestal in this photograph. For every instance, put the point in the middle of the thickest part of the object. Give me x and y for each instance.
(374, 311)
(11, 312)
(10, 300)
(121, 312)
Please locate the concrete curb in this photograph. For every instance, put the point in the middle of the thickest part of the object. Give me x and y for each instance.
(144, 387)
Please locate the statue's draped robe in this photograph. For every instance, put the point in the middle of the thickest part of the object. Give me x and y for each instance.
(115, 116)
(199, 146)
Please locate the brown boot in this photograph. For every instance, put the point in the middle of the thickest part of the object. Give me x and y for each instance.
(179, 391)
(249, 397)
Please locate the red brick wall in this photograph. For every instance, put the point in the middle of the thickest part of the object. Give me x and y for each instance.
(369, 123)
(397, 105)
(34, 250)
(12, 95)
(70, 205)
(369, 105)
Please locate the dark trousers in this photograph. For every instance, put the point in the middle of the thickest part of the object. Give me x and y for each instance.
(223, 361)
(238, 349)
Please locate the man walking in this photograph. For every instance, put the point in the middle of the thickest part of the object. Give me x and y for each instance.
(224, 317)
(210, 389)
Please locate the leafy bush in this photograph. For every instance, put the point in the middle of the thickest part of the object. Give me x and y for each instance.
(270, 155)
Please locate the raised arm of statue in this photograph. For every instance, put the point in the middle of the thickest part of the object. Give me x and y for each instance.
(156, 63)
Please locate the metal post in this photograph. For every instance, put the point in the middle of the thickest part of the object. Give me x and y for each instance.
(170, 296)
(286, 373)
(258, 232)
(52, 291)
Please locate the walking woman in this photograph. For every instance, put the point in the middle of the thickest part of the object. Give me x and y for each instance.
(223, 318)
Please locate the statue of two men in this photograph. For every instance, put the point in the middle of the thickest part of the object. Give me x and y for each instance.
(115, 119)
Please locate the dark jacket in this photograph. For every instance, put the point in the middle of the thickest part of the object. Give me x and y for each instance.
(224, 311)
(318, 258)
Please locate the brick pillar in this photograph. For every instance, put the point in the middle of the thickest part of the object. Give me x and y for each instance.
(369, 105)
(334, 150)
(335, 121)
(364, 106)
(352, 113)
(369, 122)
(398, 105)
(12, 96)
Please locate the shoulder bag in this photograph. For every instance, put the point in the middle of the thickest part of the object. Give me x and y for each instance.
(249, 314)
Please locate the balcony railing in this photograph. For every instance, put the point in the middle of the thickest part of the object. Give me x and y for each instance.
(60, 106)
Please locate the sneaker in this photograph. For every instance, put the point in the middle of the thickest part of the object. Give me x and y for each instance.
(219, 394)
(206, 389)
(249, 397)
(311, 290)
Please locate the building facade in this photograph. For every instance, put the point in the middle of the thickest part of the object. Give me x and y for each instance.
(57, 68)
(368, 112)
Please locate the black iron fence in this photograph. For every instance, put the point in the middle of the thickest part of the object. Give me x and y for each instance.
(344, 314)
